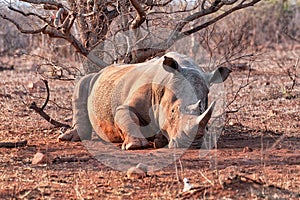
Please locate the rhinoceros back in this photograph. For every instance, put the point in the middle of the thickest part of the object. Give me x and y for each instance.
(101, 104)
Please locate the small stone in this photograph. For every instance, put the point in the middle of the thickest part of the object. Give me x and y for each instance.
(36, 86)
(135, 173)
(187, 185)
(142, 167)
(247, 149)
(69, 135)
(40, 158)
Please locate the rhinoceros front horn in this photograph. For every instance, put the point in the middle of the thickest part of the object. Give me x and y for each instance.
(203, 119)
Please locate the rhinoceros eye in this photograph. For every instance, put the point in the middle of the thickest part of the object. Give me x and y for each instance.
(172, 114)
(174, 109)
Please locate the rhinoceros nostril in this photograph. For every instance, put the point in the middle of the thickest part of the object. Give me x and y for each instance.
(173, 144)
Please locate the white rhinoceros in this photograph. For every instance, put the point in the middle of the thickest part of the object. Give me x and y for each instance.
(163, 101)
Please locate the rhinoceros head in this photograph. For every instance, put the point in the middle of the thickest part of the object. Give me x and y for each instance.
(186, 111)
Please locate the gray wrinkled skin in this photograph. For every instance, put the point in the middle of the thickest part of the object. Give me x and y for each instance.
(163, 100)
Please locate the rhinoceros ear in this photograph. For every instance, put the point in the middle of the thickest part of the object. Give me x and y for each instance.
(170, 64)
(219, 75)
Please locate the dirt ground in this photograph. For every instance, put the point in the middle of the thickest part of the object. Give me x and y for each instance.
(257, 154)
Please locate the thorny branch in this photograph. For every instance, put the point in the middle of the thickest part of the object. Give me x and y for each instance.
(56, 71)
(291, 72)
(242, 86)
(291, 37)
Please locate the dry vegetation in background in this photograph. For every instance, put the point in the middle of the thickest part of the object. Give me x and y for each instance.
(257, 155)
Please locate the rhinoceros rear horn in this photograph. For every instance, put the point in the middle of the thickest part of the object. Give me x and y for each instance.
(195, 107)
(170, 64)
(203, 119)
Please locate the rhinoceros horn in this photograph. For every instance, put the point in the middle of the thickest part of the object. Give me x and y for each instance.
(203, 119)
(194, 106)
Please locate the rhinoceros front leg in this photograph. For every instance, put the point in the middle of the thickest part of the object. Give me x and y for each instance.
(82, 128)
(160, 141)
(128, 122)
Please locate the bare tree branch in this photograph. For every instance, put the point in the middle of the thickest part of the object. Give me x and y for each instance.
(54, 33)
(137, 22)
(22, 143)
(94, 19)
(47, 2)
(151, 3)
(29, 14)
(197, 15)
(291, 37)
(141, 15)
(40, 30)
(221, 16)
(177, 34)
(58, 15)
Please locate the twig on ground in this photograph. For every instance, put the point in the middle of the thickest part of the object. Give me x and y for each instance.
(209, 181)
(30, 191)
(78, 193)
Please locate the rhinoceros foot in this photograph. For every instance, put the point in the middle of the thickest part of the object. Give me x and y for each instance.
(69, 135)
(132, 143)
(160, 141)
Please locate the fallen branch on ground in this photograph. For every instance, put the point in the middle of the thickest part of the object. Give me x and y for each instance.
(6, 68)
(42, 113)
(13, 144)
(70, 159)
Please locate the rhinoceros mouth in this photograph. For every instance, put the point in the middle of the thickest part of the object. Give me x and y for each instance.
(193, 130)
(195, 144)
